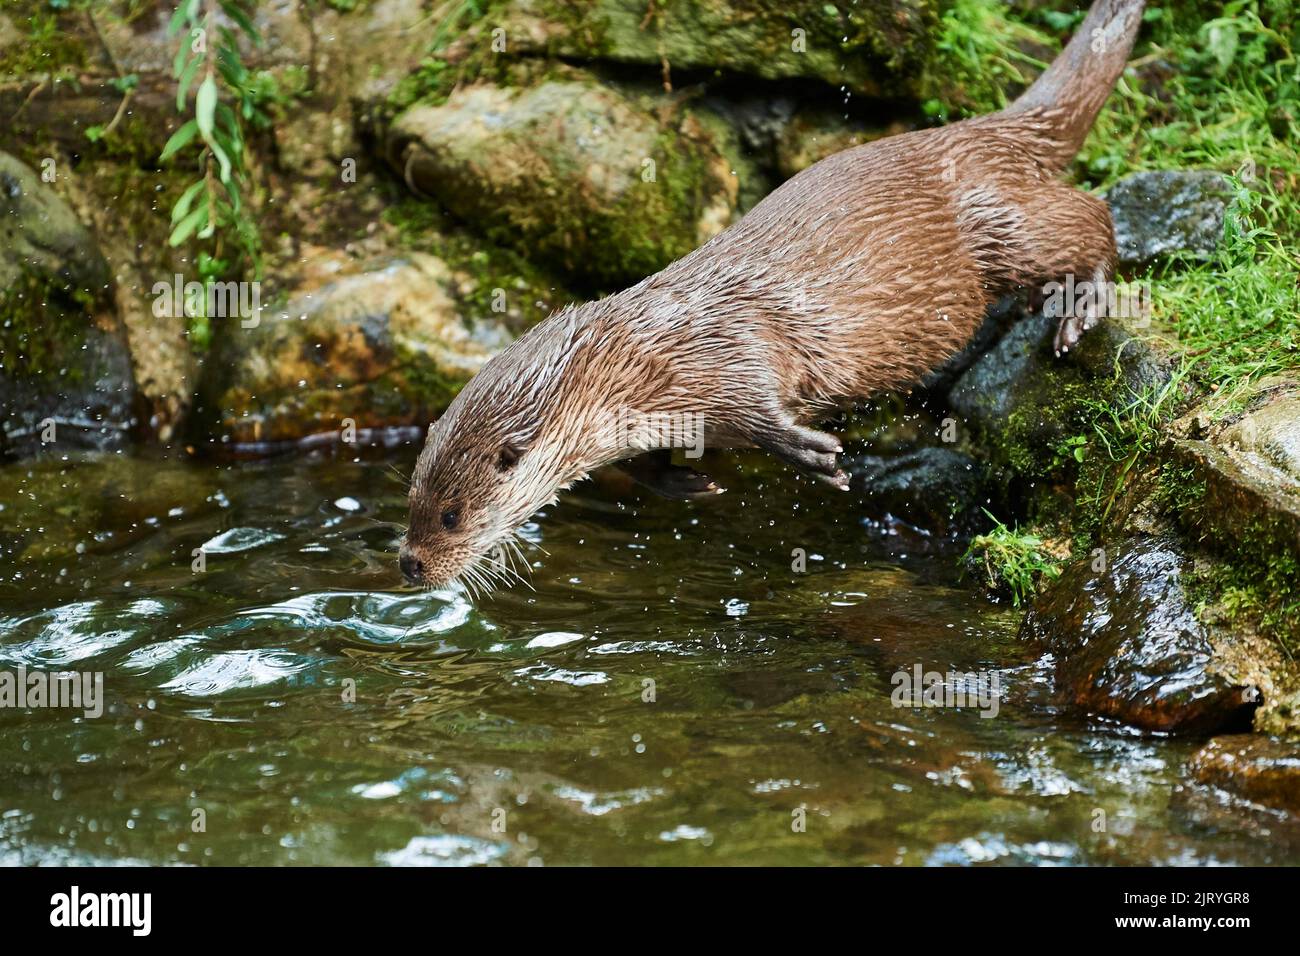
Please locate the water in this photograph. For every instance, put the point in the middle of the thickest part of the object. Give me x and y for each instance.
(671, 692)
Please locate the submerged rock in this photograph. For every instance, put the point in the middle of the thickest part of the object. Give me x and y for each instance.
(1127, 644)
(1262, 770)
(876, 47)
(571, 173)
(1170, 211)
(938, 490)
(65, 369)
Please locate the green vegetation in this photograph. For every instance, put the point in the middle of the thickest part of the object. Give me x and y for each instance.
(434, 79)
(1011, 561)
(209, 54)
(981, 55)
(1231, 102)
(1212, 87)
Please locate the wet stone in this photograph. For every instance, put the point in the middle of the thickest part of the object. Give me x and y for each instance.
(1263, 770)
(1169, 211)
(1127, 644)
(938, 490)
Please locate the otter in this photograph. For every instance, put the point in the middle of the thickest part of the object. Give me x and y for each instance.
(854, 277)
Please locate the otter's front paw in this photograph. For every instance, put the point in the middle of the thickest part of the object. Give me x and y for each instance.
(808, 449)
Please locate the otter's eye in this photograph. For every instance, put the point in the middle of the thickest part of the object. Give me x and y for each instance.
(507, 458)
(450, 519)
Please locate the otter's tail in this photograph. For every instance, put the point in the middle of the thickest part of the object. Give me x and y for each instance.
(1071, 91)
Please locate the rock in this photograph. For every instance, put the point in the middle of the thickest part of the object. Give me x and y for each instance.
(1000, 316)
(938, 490)
(1262, 770)
(1022, 401)
(1248, 473)
(1019, 399)
(42, 237)
(571, 173)
(813, 135)
(89, 507)
(1128, 645)
(1158, 214)
(65, 370)
(385, 347)
(873, 47)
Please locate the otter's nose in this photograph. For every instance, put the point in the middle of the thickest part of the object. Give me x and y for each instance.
(412, 567)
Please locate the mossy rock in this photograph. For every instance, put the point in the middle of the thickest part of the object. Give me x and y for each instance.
(572, 173)
(380, 347)
(873, 47)
(65, 367)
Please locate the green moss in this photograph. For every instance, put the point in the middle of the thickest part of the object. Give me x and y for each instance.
(979, 57)
(424, 228)
(42, 327)
(433, 80)
(51, 46)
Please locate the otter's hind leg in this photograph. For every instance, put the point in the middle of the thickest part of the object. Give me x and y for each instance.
(1067, 240)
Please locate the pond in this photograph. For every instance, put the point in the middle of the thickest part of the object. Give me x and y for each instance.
(675, 687)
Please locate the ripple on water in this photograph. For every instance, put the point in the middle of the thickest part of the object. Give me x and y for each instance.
(229, 671)
(240, 539)
(374, 617)
(544, 672)
(444, 849)
(77, 632)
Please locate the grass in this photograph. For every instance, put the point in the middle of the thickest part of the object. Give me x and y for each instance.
(1230, 102)
(1214, 86)
(1011, 561)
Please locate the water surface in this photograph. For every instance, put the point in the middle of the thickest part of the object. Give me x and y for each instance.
(669, 691)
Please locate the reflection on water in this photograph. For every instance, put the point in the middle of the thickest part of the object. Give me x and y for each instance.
(670, 691)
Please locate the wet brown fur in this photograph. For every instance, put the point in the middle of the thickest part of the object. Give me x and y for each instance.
(853, 278)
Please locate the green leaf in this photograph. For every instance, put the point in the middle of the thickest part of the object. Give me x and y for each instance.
(187, 199)
(183, 13)
(1222, 36)
(94, 133)
(179, 140)
(238, 14)
(205, 106)
(186, 78)
(178, 62)
(185, 228)
(223, 158)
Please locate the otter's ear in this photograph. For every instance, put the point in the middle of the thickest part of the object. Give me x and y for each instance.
(507, 457)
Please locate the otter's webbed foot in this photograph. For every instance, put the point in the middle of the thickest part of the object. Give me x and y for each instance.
(805, 448)
(655, 470)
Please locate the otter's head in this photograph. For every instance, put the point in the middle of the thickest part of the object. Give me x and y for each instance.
(493, 459)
